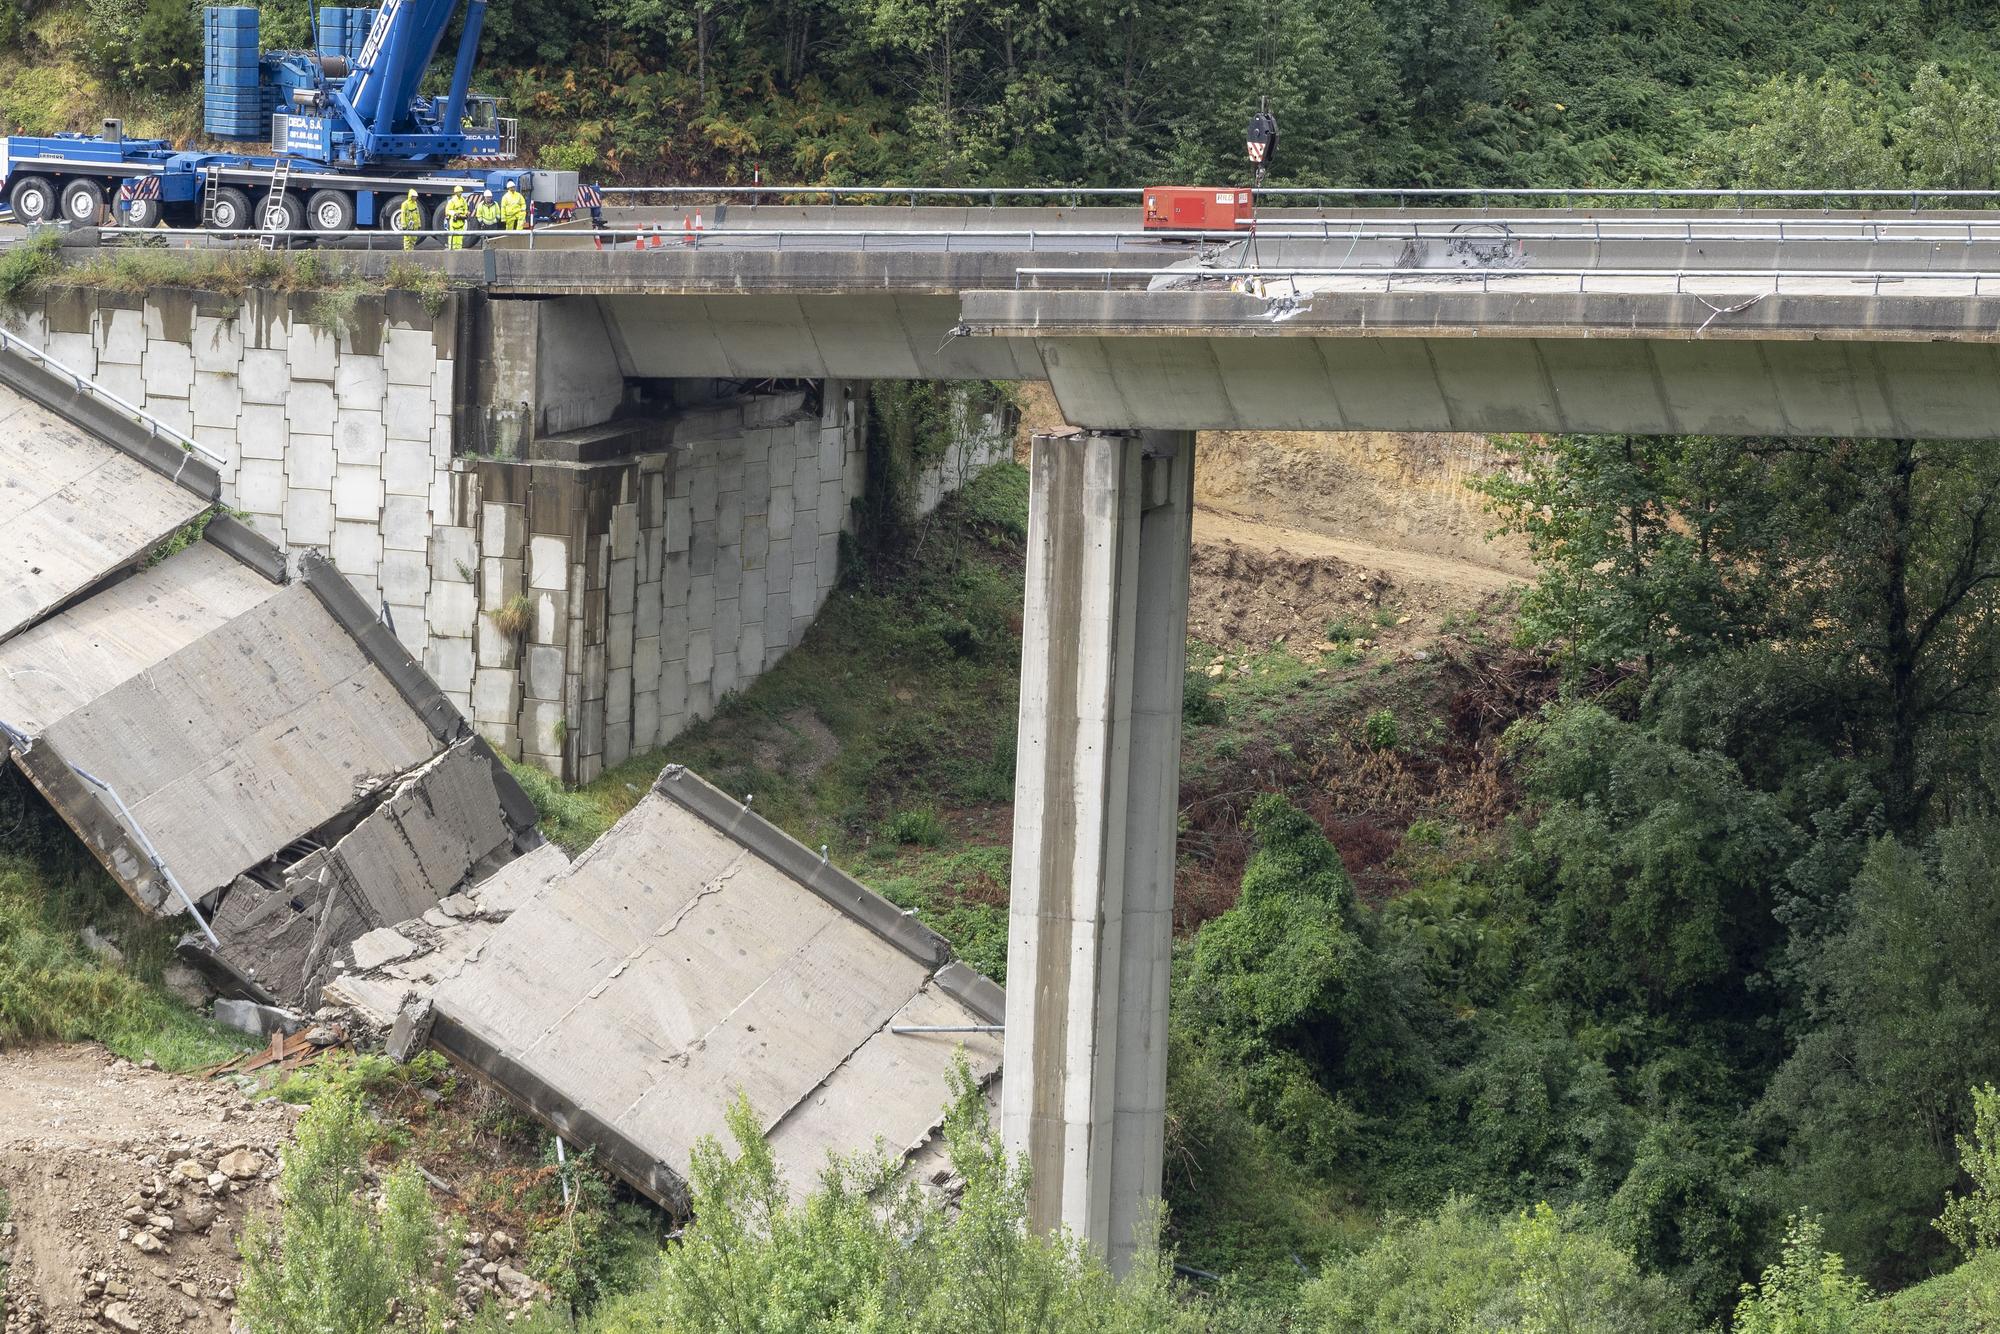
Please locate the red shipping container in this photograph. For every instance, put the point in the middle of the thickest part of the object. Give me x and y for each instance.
(1193, 208)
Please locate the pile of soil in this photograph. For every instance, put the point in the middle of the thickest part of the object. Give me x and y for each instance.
(96, 1154)
(1253, 585)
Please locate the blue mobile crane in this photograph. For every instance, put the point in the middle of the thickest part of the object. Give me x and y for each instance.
(350, 135)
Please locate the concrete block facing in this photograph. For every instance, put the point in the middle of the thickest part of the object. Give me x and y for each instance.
(263, 376)
(545, 667)
(121, 336)
(311, 352)
(548, 563)
(410, 356)
(260, 486)
(216, 400)
(452, 611)
(360, 382)
(357, 493)
(357, 436)
(262, 433)
(495, 695)
(408, 467)
(309, 407)
(454, 554)
(408, 412)
(309, 461)
(406, 523)
(218, 343)
(404, 577)
(357, 549)
(309, 518)
(448, 660)
(503, 530)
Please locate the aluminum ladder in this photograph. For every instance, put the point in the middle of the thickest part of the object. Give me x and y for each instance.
(274, 210)
(210, 183)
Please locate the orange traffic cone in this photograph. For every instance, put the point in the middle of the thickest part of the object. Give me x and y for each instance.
(687, 230)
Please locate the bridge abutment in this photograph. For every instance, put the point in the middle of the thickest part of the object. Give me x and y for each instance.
(1103, 663)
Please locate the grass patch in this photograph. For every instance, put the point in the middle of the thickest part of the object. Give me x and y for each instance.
(51, 987)
(571, 820)
(37, 265)
(24, 268)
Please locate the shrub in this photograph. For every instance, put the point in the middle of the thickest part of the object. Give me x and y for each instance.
(330, 1265)
(921, 827)
(1200, 706)
(859, 1253)
(1540, 1271)
(1972, 1222)
(1381, 730)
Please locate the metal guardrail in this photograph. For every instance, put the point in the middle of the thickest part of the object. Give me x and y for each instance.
(1969, 231)
(1563, 194)
(85, 385)
(1485, 277)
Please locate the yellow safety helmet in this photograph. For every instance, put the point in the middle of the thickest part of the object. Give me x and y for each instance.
(458, 189)
(413, 192)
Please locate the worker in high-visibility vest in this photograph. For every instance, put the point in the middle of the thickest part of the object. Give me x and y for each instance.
(410, 217)
(457, 211)
(487, 211)
(514, 209)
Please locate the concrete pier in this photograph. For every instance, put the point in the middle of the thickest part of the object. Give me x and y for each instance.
(1095, 803)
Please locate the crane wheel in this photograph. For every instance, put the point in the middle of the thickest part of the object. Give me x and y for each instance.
(232, 211)
(291, 215)
(83, 202)
(33, 199)
(330, 211)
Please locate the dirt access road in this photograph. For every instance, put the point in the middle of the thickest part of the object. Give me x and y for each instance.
(96, 1153)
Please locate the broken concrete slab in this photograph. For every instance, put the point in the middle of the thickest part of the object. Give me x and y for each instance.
(211, 730)
(696, 952)
(72, 511)
(87, 649)
(250, 737)
(382, 945)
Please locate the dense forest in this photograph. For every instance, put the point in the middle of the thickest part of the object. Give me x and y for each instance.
(1114, 92)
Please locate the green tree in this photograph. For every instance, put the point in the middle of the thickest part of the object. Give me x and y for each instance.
(1655, 867)
(1798, 133)
(1287, 986)
(1905, 1003)
(1971, 1221)
(1649, 549)
(1950, 133)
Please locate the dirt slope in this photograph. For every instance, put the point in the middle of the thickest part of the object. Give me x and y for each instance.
(91, 1152)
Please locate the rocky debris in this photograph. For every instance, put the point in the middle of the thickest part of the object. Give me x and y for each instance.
(187, 986)
(112, 1172)
(243, 1165)
(102, 946)
(259, 1021)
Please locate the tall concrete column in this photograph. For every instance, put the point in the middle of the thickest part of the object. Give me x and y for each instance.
(1096, 797)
